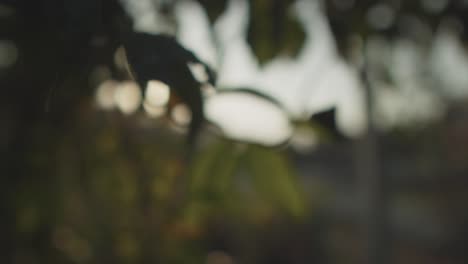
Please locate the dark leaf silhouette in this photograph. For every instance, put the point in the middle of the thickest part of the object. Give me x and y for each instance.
(161, 57)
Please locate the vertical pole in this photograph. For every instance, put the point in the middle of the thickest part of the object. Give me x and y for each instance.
(371, 182)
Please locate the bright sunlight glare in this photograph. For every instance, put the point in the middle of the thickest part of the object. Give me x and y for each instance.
(246, 117)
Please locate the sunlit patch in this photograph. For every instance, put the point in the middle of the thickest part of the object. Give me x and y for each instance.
(128, 97)
(8, 53)
(219, 257)
(239, 67)
(246, 117)
(181, 115)
(198, 71)
(193, 30)
(340, 87)
(105, 94)
(381, 16)
(157, 93)
(406, 105)
(154, 111)
(402, 88)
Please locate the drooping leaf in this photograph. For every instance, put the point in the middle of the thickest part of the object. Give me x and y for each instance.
(213, 170)
(275, 179)
(211, 178)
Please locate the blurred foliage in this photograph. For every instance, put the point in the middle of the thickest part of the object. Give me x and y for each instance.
(82, 186)
(111, 189)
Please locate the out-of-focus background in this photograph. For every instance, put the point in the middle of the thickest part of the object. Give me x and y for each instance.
(337, 132)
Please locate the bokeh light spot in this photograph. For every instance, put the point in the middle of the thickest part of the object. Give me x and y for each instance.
(128, 97)
(154, 111)
(105, 94)
(181, 115)
(157, 93)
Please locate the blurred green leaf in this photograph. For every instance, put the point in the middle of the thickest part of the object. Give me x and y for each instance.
(275, 179)
(213, 170)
